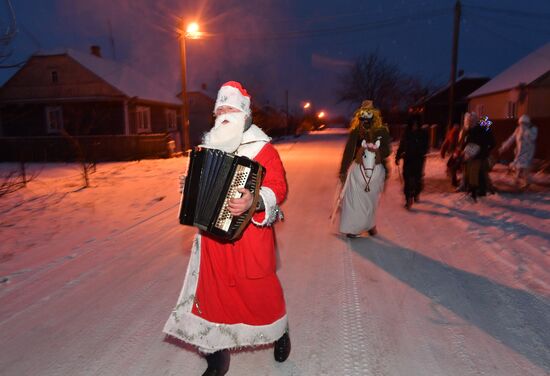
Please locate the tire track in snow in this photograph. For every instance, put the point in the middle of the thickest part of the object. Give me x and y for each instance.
(357, 332)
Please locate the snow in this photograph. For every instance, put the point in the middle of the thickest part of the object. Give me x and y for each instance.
(89, 276)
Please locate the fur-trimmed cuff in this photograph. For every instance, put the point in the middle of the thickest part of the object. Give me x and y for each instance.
(272, 211)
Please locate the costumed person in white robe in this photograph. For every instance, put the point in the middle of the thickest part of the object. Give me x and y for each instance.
(231, 296)
(524, 138)
(363, 184)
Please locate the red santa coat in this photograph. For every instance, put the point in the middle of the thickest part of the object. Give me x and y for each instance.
(232, 296)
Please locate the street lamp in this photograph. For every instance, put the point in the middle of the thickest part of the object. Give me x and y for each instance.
(192, 32)
(307, 105)
(321, 115)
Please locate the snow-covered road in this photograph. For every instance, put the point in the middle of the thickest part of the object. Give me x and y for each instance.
(88, 277)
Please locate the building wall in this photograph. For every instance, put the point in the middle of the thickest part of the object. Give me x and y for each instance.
(535, 101)
(23, 120)
(539, 102)
(79, 118)
(159, 123)
(495, 106)
(35, 81)
(97, 118)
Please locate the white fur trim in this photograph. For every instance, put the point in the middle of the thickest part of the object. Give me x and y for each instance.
(232, 97)
(271, 208)
(208, 336)
(253, 141)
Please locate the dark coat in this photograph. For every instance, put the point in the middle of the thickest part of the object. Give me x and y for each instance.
(413, 146)
(483, 137)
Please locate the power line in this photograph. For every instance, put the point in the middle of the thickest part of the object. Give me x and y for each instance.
(519, 44)
(343, 29)
(523, 26)
(510, 12)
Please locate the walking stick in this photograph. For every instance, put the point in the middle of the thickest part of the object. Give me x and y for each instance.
(338, 200)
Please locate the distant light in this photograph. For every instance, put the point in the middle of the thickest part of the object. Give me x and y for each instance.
(321, 115)
(192, 31)
(307, 105)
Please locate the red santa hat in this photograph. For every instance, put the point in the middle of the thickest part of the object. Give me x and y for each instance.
(233, 94)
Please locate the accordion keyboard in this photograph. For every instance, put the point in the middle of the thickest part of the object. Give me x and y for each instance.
(239, 179)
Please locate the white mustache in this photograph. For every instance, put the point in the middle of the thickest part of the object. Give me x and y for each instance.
(230, 117)
(227, 132)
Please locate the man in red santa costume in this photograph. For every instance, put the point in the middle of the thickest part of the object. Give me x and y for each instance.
(231, 296)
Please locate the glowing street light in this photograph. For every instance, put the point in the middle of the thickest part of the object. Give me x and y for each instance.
(191, 32)
(307, 105)
(321, 115)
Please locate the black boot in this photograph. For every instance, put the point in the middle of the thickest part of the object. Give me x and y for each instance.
(218, 363)
(282, 348)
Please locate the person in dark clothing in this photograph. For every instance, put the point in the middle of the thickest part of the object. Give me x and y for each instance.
(412, 149)
(479, 143)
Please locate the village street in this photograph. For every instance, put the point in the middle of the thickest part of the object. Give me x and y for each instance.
(89, 277)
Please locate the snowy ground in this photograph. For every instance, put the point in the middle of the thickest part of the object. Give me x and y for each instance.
(88, 277)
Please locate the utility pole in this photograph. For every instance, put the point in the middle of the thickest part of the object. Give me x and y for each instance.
(111, 39)
(184, 134)
(456, 29)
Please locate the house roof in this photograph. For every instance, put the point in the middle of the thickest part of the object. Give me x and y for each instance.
(464, 85)
(525, 71)
(124, 78)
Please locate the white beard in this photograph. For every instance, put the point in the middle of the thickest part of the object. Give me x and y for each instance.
(226, 137)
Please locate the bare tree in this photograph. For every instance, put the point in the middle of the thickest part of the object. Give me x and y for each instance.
(373, 77)
(8, 33)
(87, 166)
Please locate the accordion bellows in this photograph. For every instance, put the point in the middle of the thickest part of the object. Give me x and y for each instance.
(213, 178)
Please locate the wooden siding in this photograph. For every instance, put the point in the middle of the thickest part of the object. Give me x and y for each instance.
(91, 148)
(34, 81)
(29, 119)
(159, 122)
(536, 102)
(539, 102)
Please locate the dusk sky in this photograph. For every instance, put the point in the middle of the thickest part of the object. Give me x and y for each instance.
(271, 46)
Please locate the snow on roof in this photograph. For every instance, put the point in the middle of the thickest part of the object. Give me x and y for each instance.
(448, 85)
(525, 71)
(126, 79)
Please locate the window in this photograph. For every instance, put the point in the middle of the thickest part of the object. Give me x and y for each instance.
(171, 123)
(54, 119)
(512, 110)
(55, 77)
(143, 119)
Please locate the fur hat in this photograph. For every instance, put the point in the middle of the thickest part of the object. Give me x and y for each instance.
(233, 94)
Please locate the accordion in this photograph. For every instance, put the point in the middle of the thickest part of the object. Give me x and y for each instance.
(213, 178)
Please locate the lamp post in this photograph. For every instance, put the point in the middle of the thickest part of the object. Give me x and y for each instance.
(191, 32)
